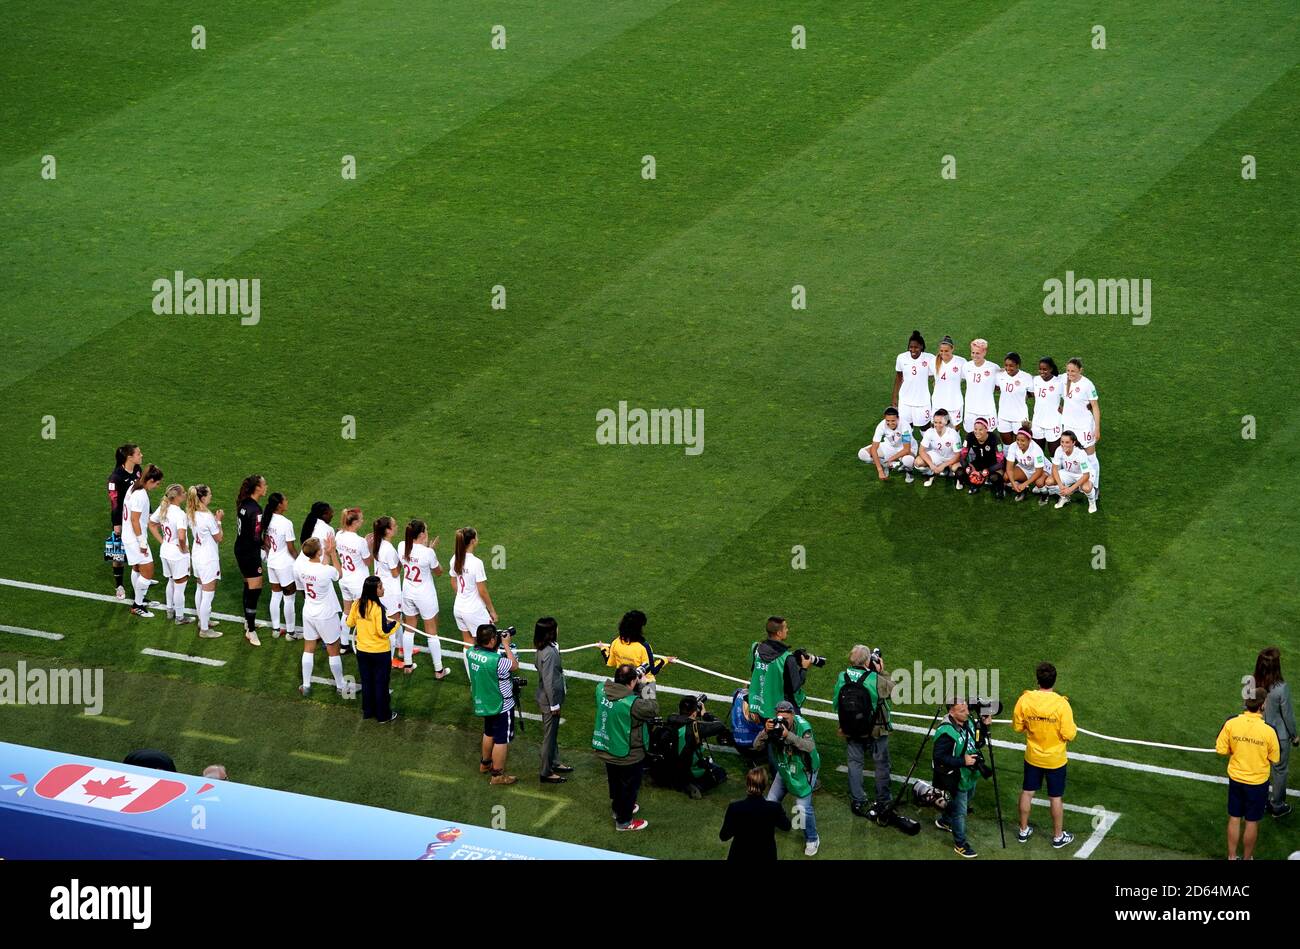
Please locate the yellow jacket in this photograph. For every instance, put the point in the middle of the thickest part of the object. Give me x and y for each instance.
(634, 654)
(1253, 746)
(370, 628)
(1048, 723)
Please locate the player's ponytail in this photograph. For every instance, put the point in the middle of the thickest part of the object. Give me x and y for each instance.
(319, 510)
(464, 537)
(272, 508)
(414, 528)
(151, 473)
(377, 532)
(125, 452)
(247, 487)
(198, 493)
(351, 517)
(173, 495)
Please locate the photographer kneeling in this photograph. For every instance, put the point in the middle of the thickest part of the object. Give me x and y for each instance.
(625, 707)
(861, 701)
(492, 665)
(790, 739)
(958, 765)
(694, 770)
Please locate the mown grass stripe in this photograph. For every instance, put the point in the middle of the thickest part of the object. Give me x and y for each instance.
(206, 736)
(316, 756)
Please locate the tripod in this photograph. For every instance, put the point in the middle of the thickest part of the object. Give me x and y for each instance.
(997, 797)
(902, 793)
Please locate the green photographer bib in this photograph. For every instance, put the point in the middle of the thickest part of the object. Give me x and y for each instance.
(613, 731)
(797, 767)
(483, 682)
(963, 744)
(767, 684)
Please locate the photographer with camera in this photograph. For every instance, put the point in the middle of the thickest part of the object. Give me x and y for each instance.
(492, 665)
(777, 672)
(861, 701)
(958, 765)
(625, 707)
(789, 738)
(694, 770)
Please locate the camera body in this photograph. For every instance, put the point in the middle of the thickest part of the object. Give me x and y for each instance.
(507, 633)
(643, 670)
(979, 707)
(778, 726)
(802, 654)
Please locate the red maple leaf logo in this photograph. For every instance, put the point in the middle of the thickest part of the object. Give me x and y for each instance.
(113, 787)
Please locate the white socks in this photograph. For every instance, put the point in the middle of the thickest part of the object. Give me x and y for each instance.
(435, 648)
(308, 660)
(277, 597)
(141, 587)
(336, 670)
(408, 646)
(290, 611)
(203, 604)
(177, 592)
(169, 596)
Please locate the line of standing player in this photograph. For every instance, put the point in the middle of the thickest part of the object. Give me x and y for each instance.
(312, 561)
(1051, 453)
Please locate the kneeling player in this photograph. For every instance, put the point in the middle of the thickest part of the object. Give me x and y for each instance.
(891, 445)
(1073, 473)
(981, 459)
(1027, 466)
(940, 451)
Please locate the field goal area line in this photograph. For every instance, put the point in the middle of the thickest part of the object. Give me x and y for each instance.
(810, 713)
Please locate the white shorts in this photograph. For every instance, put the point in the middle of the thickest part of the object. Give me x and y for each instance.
(1068, 478)
(174, 568)
(1006, 426)
(282, 576)
(940, 462)
(968, 422)
(426, 603)
(1052, 434)
(954, 415)
(205, 571)
(1086, 434)
(470, 619)
(351, 587)
(914, 416)
(133, 555)
(327, 628)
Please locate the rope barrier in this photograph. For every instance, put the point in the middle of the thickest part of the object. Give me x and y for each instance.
(812, 698)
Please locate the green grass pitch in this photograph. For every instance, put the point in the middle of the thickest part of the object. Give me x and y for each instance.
(522, 167)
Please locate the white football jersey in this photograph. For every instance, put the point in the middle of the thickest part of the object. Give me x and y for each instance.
(385, 564)
(1012, 407)
(1028, 459)
(980, 383)
(947, 384)
(317, 581)
(1047, 401)
(137, 500)
(1077, 396)
(943, 447)
(173, 527)
(892, 438)
(418, 568)
(466, 584)
(280, 534)
(352, 555)
(206, 529)
(916, 378)
(1077, 462)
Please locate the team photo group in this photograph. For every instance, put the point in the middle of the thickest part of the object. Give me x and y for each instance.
(1051, 451)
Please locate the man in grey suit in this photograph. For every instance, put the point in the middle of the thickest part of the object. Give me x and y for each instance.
(550, 696)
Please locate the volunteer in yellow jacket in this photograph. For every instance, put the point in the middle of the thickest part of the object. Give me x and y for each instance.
(1048, 723)
(630, 647)
(1252, 747)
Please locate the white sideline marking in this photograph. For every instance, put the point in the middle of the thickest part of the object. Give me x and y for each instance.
(1100, 828)
(201, 660)
(810, 713)
(38, 633)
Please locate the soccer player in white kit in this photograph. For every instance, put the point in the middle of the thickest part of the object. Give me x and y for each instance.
(941, 451)
(981, 377)
(1082, 414)
(912, 372)
(1072, 472)
(318, 525)
(320, 616)
(354, 558)
(389, 569)
(419, 597)
(949, 371)
(135, 538)
(281, 552)
(473, 607)
(205, 556)
(1013, 409)
(170, 528)
(1027, 466)
(1048, 389)
(891, 446)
